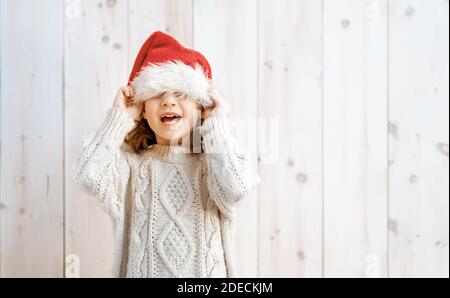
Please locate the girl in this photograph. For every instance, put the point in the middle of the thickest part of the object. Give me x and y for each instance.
(171, 201)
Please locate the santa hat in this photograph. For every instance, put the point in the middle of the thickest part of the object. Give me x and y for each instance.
(163, 64)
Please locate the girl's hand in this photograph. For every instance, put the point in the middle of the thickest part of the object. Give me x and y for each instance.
(123, 102)
(219, 104)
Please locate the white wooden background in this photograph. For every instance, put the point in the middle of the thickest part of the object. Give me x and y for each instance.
(360, 90)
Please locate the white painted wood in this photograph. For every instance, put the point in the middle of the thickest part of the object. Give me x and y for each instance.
(95, 67)
(290, 90)
(355, 138)
(171, 16)
(31, 121)
(419, 97)
(226, 33)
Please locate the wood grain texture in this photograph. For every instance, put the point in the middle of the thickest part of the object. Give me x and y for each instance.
(290, 91)
(95, 67)
(418, 101)
(31, 121)
(355, 138)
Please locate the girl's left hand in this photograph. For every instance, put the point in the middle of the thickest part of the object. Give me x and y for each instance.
(219, 104)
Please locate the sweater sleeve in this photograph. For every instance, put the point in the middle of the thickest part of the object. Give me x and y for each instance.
(102, 169)
(228, 172)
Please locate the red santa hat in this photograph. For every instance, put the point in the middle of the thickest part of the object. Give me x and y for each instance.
(163, 64)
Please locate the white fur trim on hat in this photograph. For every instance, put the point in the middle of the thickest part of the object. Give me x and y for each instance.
(172, 76)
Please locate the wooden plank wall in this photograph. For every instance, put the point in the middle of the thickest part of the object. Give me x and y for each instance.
(32, 138)
(355, 138)
(346, 104)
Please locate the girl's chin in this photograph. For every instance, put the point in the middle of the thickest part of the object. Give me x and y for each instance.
(172, 131)
(170, 125)
(173, 125)
(172, 134)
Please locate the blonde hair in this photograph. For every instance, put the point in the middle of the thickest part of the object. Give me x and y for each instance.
(142, 136)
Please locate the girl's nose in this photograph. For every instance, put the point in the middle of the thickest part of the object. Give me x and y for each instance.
(168, 101)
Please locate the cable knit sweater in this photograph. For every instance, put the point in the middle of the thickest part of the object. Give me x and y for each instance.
(172, 210)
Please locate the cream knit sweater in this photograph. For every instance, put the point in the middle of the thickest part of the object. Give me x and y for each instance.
(172, 210)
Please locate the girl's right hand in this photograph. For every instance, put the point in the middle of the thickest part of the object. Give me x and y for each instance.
(123, 102)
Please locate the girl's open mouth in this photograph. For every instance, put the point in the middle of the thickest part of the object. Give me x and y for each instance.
(170, 119)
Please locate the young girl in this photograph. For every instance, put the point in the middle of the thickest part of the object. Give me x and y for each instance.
(172, 202)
